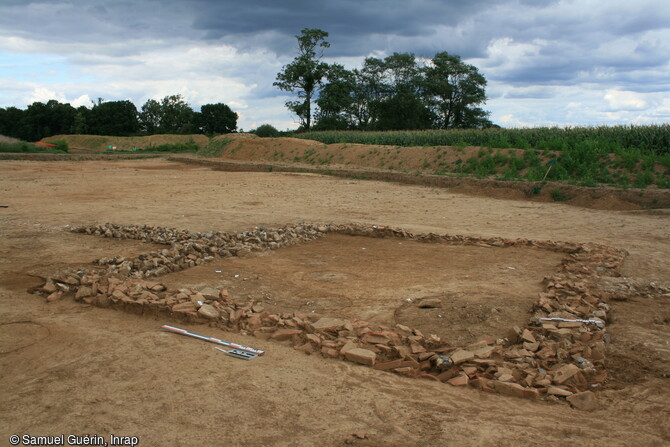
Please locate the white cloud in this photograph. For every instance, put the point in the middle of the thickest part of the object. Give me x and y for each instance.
(623, 100)
(83, 100)
(43, 94)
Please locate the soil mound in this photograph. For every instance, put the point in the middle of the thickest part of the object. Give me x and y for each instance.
(99, 143)
(4, 139)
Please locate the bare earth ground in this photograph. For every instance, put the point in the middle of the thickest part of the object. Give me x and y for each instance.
(71, 368)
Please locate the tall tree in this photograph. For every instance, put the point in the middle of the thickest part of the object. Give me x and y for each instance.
(172, 115)
(369, 92)
(150, 116)
(388, 94)
(305, 73)
(455, 91)
(176, 115)
(401, 105)
(399, 93)
(113, 118)
(336, 106)
(42, 120)
(217, 118)
(81, 119)
(11, 120)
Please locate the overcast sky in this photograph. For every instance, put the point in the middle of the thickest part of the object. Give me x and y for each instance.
(547, 62)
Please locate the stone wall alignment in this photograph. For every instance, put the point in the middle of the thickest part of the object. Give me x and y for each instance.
(550, 360)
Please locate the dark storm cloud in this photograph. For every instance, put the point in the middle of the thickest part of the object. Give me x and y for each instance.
(363, 17)
(355, 27)
(95, 21)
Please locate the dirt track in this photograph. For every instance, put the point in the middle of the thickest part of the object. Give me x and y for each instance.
(91, 370)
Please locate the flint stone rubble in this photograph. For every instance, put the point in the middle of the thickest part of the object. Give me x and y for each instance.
(557, 360)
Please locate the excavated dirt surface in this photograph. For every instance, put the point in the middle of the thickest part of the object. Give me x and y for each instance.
(68, 368)
(481, 291)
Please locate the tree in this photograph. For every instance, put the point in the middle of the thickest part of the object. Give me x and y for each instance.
(11, 120)
(305, 73)
(113, 118)
(81, 118)
(176, 115)
(42, 120)
(150, 116)
(455, 91)
(400, 104)
(367, 93)
(266, 131)
(217, 118)
(336, 107)
(399, 93)
(172, 115)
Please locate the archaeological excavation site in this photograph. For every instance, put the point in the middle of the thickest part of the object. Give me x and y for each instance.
(349, 311)
(427, 306)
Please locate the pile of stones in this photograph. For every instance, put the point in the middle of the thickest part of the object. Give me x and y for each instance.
(554, 356)
(190, 249)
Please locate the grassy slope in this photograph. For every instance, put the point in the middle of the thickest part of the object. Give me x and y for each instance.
(504, 164)
(507, 164)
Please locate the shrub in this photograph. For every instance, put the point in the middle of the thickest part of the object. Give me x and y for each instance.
(558, 196)
(214, 148)
(61, 145)
(23, 147)
(644, 179)
(266, 131)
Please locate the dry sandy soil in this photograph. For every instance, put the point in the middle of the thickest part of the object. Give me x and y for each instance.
(67, 368)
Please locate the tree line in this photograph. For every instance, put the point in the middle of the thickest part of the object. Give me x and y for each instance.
(397, 92)
(171, 115)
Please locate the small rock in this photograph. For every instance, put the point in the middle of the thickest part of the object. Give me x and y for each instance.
(285, 334)
(258, 307)
(556, 391)
(330, 352)
(460, 356)
(585, 401)
(416, 348)
(348, 346)
(63, 287)
(72, 280)
(208, 311)
(325, 324)
(528, 336)
(564, 373)
(102, 300)
(210, 293)
(505, 377)
(49, 286)
(158, 288)
(460, 380)
(83, 292)
(55, 296)
(184, 307)
(376, 339)
(362, 356)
